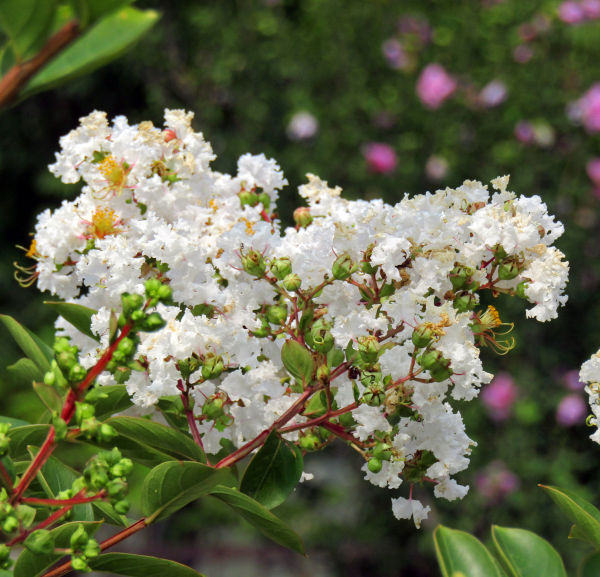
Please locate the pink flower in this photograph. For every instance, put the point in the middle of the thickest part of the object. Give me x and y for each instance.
(572, 410)
(436, 167)
(522, 54)
(587, 108)
(499, 396)
(571, 380)
(571, 12)
(380, 157)
(493, 94)
(524, 132)
(591, 9)
(395, 55)
(496, 481)
(302, 126)
(435, 85)
(593, 170)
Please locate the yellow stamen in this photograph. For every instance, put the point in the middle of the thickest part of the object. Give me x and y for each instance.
(32, 252)
(108, 167)
(212, 203)
(104, 223)
(249, 226)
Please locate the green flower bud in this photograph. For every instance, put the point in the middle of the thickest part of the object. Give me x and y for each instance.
(40, 542)
(343, 267)
(83, 411)
(79, 538)
(292, 282)
(374, 465)
(65, 360)
(153, 322)
(91, 549)
(79, 564)
(281, 267)
(60, 428)
(430, 359)
(136, 317)
(10, 524)
(422, 336)
(309, 442)
(277, 314)
(440, 374)
(383, 451)
(323, 373)
(77, 373)
(213, 408)
(49, 378)
(368, 349)
(302, 217)
(520, 291)
(465, 302)
(106, 433)
(62, 344)
(152, 286)
(213, 367)
(126, 465)
(4, 554)
(116, 488)
(265, 200)
(4, 444)
(459, 276)
(374, 395)
(321, 338)
(164, 293)
(90, 427)
(122, 506)
(131, 303)
(508, 271)
(127, 346)
(248, 197)
(263, 331)
(254, 263)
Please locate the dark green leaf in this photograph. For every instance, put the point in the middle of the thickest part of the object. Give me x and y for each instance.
(27, 24)
(260, 517)
(99, 8)
(21, 437)
(35, 349)
(49, 396)
(117, 399)
(30, 565)
(138, 452)
(273, 472)
(525, 554)
(25, 371)
(108, 513)
(580, 512)
(298, 361)
(459, 553)
(140, 566)
(77, 315)
(172, 485)
(590, 566)
(158, 436)
(104, 42)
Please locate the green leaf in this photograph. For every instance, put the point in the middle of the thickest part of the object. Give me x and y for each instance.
(104, 42)
(31, 565)
(298, 361)
(108, 513)
(21, 437)
(580, 512)
(140, 566)
(525, 554)
(25, 371)
(77, 315)
(590, 566)
(117, 399)
(462, 555)
(159, 436)
(172, 485)
(35, 349)
(49, 396)
(138, 452)
(27, 24)
(273, 472)
(260, 517)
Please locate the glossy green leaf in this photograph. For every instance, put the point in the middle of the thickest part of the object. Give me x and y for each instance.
(103, 42)
(580, 512)
(273, 472)
(5, 573)
(159, 436)
(35, 349)
(77, 315)
(462, 555)
(140, 566)
(260, 517)
(27, 24)
(138, 452)
(107, 512)
(590, 566)
(21, 437)
(30, 565)
(525, 554)
(49, 396)
(25, 371)
(172, 485)
(298, 361)
(97, 9)
(577, 533)
(117, 399)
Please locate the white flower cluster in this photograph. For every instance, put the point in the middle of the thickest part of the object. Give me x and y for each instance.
(590, 374)
(400, 312)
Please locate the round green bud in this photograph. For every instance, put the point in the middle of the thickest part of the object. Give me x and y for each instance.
(106, 433)
(254, 263)
(116, 488)
(302, 217)
(292, 282)
(265, 200)
(122, 506)
(459, 276)
(309, 442)
(263, 331)
(383, 451)
(126, 465)
(368, 349)
(79, 538)
(77, 373)
(374, 395)
(323, 373)
(440, 374)
(281, 267)
(164, 293)
(91, 549)
(152, 286)
(430, 359)
(60, 428)
(322, 339)
(65, 360)
(248, 198)
(213, 367)
(131, 303)
(10, 524)
(153, 322)
(83, 411)
(49, 378)
(374, 465)
(4, 444)
(343, 267)
(4, 553)
(78, 563)
(508, 271)
(213, 408)
(422, 336)
(136, 317)
(464, 303)
(520, 290)
(277, 314)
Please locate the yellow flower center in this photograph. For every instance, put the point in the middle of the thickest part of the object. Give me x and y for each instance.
(249, 226)
(213, 204)
(104, 223)
(32, 251)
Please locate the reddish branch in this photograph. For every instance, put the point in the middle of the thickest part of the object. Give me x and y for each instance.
(18, 76)
(45, 523)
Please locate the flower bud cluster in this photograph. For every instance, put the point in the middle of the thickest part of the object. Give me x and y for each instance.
(369, 308)
(83, 548)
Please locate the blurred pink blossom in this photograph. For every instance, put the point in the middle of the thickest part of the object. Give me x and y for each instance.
(522, 54)
(571, 12)
(435, 85)
(499, 396)
(302, 126)
(493, 94)
(587, 109)
(496, 481)
(572, 410)
(591, 9)
(571, 380)
(524, 132)
(380, 157)
(593, 170)
(395, 55)
(436, 167)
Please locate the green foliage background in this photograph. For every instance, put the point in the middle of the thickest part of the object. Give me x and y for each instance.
(245, 67)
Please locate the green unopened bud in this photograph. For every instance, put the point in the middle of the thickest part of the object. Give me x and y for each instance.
(465, 302)
(265, 200)
(368, 349)
(374, 465)
(323, 373)
(321, 338)
(91, 549)
(60, 428)
(10, 524)
(440, 374)
(153, 322)
(83, 411)
(281, 267)
(459, 276)
(430, 359)
(309, 442)
(136, 317)
(77, 373)
(213, 408)
(49, 378)
(131, 303)
(374, 395)
(152, 286)
(422, 336)
(62, 344)
(164, 293)
(254, 263)
(248, 198)
(508, 271)
(40, 542)
(106, 433)
(4, 554)
(213, 367)
(292, 282)
(90, 427)
(343, 267)
(122, 506)
(116, 488)
(302, 216)
(499, 253)
(263, 331)
(277, 314)
(66, 360)
(520, 291)
(78, 563)
(383, 451)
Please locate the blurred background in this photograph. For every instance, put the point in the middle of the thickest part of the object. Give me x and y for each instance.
(383, 98)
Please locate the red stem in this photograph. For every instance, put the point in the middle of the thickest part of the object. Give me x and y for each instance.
(58, 502)
(45, 523)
